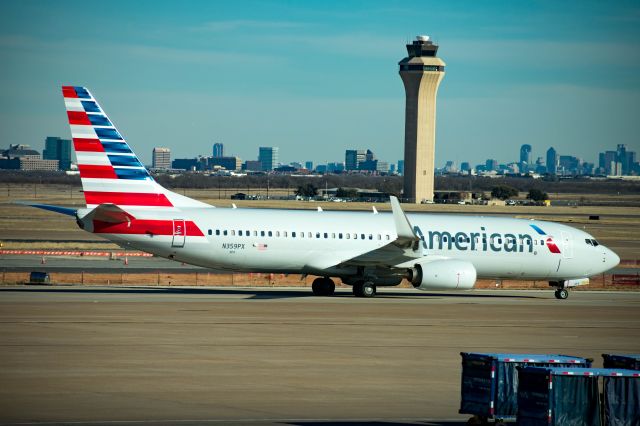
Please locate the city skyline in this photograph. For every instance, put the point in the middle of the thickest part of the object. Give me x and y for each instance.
(184, 77)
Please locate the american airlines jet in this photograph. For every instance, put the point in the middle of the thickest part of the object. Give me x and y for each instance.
(365, 250)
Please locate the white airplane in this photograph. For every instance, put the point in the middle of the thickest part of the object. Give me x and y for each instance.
(365, 250)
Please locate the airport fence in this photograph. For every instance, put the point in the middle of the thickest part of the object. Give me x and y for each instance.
(121, 276)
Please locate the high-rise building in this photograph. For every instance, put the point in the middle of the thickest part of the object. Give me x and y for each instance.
(569, 165)
(353, 157)
(161, 158)
(552, 161)
(218, 150)
(401, 167)
(308, 165)
(491, 165)
(59, 149)
(421, 72)
(268, 157)
(525, 158)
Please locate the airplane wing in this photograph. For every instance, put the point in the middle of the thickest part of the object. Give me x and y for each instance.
(404, 248)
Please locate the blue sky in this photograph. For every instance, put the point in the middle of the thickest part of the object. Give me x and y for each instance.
(315, 78)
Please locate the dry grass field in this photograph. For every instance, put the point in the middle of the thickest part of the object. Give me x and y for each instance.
(24, 227)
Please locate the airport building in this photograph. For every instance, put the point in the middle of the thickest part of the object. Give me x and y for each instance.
(22, 157)
(421, 72)
(161, 158)
(228, 163)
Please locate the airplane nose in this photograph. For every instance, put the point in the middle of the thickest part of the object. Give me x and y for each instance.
(611, 259)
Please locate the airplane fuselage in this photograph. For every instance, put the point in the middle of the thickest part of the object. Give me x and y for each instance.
(309, 242)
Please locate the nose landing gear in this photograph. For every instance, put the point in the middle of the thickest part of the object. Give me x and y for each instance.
(561, 289)
(561, 293)
(364, 289)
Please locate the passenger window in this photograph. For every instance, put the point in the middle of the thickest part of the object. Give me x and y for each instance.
(371, 236)
(284, 234)
(240, 233)
(340, 235)
(255, 233)
(224, 232)
(270, 234)
(262, 233)
(310, 235)
(326, 235)
(277, 233)
(293, 234)
(379, 237)
(217, 232)
(317, 235)
(348, 236)
(362, 236)
(247, 233)
(387, 237)
(210, 233)
(333, 235)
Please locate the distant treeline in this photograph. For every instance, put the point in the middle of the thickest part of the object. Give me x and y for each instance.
(388, 184)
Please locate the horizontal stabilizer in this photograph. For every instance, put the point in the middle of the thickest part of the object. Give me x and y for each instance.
(108, 213)
(57, 209)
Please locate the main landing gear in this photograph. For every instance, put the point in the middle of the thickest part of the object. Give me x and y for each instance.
(323, 287)
(364, 289)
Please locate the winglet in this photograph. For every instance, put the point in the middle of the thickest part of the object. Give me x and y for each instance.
(403, 227)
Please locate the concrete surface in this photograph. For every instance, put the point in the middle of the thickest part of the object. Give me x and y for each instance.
(281, 356)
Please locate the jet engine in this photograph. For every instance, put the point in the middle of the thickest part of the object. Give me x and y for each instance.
(446, 274)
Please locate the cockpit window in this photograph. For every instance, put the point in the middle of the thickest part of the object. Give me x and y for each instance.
(595, 243)
(588, 241)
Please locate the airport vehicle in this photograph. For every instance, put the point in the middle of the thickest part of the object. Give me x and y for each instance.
(365, 250)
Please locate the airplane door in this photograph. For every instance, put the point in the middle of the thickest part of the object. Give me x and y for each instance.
(567, 245)
(179, 232)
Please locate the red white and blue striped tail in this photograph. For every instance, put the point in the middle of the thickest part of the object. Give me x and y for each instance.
(110, 171)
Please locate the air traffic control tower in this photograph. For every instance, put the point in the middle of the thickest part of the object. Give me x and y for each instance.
(421, 72)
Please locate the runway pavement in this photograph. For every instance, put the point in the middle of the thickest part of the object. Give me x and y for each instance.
(276, 356)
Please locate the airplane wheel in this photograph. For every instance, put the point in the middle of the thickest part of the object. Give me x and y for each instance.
(323, 287)
(357, 288)
(316, 287)
(561, 294)
(329, 287)
(368, 289)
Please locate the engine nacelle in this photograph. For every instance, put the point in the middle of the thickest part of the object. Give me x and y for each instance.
(446, 274)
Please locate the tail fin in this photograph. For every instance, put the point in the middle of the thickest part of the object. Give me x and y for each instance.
(109, 169)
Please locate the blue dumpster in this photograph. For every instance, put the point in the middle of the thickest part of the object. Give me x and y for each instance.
(623, 361)
(489, 386)
(571, 397)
